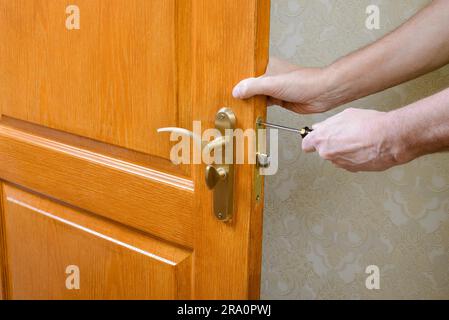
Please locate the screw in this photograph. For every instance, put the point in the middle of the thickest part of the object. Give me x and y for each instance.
(262, 160)
(220, 215)
(221, 116)
(257, 197)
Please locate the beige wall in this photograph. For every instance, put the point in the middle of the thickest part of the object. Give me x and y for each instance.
(323, 226)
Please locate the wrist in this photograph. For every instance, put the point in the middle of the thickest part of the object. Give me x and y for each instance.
(338, 88)
(399, 139)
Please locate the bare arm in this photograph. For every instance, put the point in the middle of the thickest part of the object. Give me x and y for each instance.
(417, 47)
(423, 127)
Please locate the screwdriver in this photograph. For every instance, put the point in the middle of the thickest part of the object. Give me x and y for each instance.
(302, 132)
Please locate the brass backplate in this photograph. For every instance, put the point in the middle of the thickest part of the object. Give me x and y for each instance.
(223, 192)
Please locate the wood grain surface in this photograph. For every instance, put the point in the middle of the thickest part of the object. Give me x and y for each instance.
(85, 177)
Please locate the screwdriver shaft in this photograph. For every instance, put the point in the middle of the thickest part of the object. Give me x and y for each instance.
(284, 128)
(302, 132)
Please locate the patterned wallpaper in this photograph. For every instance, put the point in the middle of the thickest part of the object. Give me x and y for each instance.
(324, 226)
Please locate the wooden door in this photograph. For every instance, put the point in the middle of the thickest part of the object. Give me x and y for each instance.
(91, 205)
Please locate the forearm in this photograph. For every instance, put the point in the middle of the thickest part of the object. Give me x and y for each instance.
(421, 128)
(419, 46)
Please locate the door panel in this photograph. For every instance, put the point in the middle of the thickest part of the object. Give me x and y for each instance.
(114, 80)
(114, 262)
(79, 112)
(137, 196)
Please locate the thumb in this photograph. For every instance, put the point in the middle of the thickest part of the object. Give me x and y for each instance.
(254, 86)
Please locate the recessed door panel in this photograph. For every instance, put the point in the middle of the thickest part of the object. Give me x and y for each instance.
(113, 80)
(50, 247)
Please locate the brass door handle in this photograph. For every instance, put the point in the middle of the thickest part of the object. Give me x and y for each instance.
(207, 147)
(219, 176)
(181, 131)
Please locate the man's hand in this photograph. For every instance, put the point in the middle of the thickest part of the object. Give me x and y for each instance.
(394, 59)
(363, 140)
(302, 90)
(356, 140)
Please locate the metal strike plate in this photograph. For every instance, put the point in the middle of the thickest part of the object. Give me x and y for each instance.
(220, 175)
(262, 160)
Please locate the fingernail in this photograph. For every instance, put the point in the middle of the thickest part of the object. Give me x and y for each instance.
(237, 92)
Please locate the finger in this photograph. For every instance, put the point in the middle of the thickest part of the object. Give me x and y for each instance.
(255, 86)
(308, 143)
(274, 102)
(294, 107)
(298, 107)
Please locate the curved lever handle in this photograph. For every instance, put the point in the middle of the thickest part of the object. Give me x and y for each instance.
(206, 146)
(219, 177)
(214, 175)
(216, 143)
(182, 131)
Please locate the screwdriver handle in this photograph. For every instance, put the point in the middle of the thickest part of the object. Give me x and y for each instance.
(304, 132)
